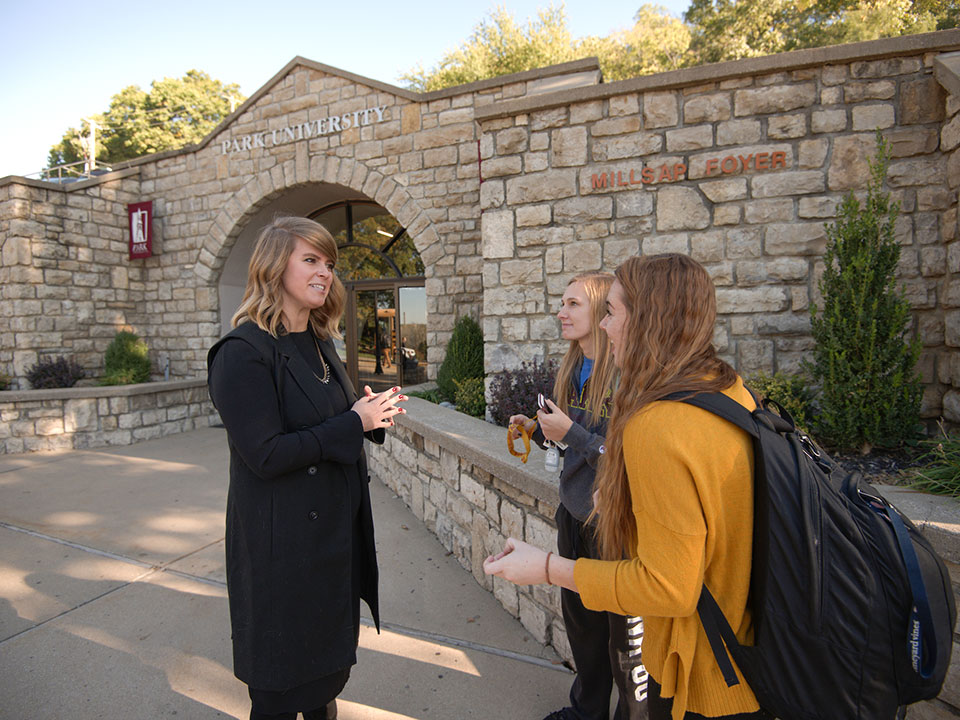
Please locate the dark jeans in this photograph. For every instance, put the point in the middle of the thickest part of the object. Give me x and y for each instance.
(661, 707)
(603, 649)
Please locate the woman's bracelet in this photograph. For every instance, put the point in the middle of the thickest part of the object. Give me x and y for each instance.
(546, 567)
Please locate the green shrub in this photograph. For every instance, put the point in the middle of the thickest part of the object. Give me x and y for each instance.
(863, 360)
(514, 392)
(428, 395)
(939, 471)
(469, 397)
(126, 361)
(464, 357)
(793, 392)
(54, 373)
(5, 381)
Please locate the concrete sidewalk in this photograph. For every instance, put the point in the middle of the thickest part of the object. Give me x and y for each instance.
(113, 603)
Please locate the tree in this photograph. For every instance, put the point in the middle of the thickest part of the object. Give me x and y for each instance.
(499, 46)
(732, 29)
(865, 364)
(174, 113)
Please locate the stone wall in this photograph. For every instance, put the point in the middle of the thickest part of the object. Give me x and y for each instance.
(455, 474)
(87, 417)
(739, 165)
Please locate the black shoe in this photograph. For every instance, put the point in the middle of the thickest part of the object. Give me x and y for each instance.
(557, 715)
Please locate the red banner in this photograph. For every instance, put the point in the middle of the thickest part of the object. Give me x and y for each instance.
(141, 229)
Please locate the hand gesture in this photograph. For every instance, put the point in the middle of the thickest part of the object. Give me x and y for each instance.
(376, 410)
(521, 420)
(520, 563)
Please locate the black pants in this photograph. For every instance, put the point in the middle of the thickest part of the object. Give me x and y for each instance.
(603, 648)
(661, 707)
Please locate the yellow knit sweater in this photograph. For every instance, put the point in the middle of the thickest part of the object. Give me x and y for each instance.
(691, 484)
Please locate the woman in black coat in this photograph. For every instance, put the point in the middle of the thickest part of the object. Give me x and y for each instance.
(299, 536)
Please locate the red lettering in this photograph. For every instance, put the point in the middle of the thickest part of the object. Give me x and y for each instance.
(745, 162)
(762, 163)
(646, 175)
(620, 181)
(598, 181)
(664, 174)
(712, 164)
(632, 180)
(779, 159)
(728, 164)
(678, 170)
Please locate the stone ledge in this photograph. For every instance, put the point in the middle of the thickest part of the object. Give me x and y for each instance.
(99, 391)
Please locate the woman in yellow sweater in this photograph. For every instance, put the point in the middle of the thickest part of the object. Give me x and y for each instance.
(674, 492)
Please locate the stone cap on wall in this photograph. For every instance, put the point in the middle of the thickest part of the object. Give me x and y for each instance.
(71, 187)
(100, 391)
(940, 41)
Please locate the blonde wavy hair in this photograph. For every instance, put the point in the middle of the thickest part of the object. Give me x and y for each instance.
(595, 287)
(666, 346)
(263, 298)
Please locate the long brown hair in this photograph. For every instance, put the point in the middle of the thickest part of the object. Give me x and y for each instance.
(666, 345)
(263, 298)
(595, 287)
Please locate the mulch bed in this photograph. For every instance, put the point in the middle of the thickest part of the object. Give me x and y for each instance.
(879, 466)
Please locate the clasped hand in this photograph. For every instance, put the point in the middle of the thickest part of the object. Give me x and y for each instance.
(553, 424)
(520, 563)
(376, 410)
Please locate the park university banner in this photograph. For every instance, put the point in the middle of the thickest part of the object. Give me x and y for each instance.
(141, 232)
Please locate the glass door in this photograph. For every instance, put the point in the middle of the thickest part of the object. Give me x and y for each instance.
(413, 334)
(377, 345)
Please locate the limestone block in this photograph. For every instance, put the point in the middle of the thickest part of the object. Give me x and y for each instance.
(848, 162)
(690, 138)
(786, 269)
(583, 209)
(511, 141)
(492, 194)
(921, 101)
(831, 96)
(795, 239)
(787, 183)
(738, 132)
(521, 272)
(886, 68)
(740, 161)
(49, 426)
(514, 329)
(951, 408)
(535, 162)
(952, 328)
(812, 153)
(871, 117)
(544, 328)
(500, 166)
(787, 126)
(447, 156)
(80, 414)
(569, 146)
(765, 298)
(706, 108)
(857, 91)
(953, 169)
(528, 215)
(719, 191)
(950, 135)
(931, 333)
(817, 207)
(534, 618)
(444, 136)
(616, 251)
(657, 244)
(615, 126)
(783, 98)
(727, 214)
(681, 208)
(586, 112)
(581, 257)
(535, 237)
(833, 74)
(627, 146)
(659, 110)
(744, 242)
(934, 198)
(624, 105)
(765, 211)
(706, 247)
(828, 121)
(636, 203)
(537, 187)
(917, 171)
(496, 229)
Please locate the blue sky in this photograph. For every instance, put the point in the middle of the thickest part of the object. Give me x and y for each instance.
(62, 61)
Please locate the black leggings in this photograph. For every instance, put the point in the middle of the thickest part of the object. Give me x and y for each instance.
(660, 708)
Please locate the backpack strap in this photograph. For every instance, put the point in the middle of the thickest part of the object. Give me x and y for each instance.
(718, 632)
(719, 404)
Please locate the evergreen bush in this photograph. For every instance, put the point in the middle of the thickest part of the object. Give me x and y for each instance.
(793, 392)
(514, 392)
(5, 381)
(863, 360)
(464, 357)
(126, 361)
(469, 397)
(54, 373)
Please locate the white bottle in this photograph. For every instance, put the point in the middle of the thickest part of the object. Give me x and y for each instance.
(551, 460)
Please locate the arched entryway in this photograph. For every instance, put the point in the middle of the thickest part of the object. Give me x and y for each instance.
(385, 323)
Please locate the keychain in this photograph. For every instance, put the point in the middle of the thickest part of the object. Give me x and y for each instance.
(551, 460)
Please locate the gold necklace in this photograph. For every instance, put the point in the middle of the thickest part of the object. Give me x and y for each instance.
(326, 368)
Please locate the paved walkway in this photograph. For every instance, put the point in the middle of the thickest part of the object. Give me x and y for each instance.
(113, 603)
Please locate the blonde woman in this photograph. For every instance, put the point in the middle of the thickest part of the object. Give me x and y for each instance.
(577, 417)
(299, 536)
(674, 492)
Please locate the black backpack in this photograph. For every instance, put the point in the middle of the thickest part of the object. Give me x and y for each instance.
(853, 611)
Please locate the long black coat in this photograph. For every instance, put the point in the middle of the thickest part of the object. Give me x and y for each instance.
(289, 530)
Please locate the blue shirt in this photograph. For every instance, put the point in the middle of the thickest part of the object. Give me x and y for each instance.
(585, 371)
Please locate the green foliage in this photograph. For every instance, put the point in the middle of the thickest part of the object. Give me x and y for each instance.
(793, 392)
(428, 395)
(5, 381)
(57, 372)
(939, 471)
(126, 361)
(863, 360)
(464, 357)
(469, 397)
(174, 113)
